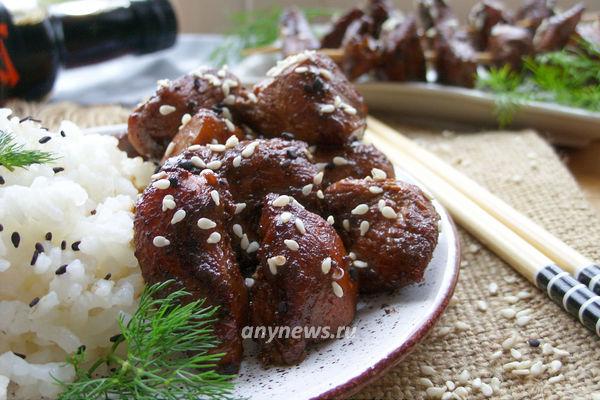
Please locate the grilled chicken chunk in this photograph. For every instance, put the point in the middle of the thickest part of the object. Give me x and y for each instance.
(180, 233)
(533, 12)
(390, 226)
(555, 32)
(509, 44)
(303, 278)
(456, 60)
(354, 160)
(306, 95)
(153, 124)
(334, 37)
(296, 34)
(483, 17)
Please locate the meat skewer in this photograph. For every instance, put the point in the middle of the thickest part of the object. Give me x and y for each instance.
(296, 33)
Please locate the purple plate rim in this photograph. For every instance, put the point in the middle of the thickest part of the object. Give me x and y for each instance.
(358, 382)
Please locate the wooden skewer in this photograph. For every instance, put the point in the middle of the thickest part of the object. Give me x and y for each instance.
(578, 265)
(482, 57)
(569, 293)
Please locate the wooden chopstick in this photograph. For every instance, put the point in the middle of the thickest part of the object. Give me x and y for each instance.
(536, 267)
(578, 265)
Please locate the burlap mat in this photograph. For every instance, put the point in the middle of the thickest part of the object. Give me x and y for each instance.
(524, 170)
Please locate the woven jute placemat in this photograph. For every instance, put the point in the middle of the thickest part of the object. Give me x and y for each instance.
(523, 169)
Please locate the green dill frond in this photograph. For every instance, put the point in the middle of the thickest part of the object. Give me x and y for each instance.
(255, 29)
(13, 155)
(168, 344)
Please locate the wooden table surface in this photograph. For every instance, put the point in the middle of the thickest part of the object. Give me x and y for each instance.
(585, 166)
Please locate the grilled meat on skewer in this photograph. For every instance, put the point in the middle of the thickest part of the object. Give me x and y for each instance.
(296, 34)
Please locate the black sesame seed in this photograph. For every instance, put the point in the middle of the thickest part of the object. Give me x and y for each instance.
(291, 153)
(39, 248)
(329, 166)
(93, 212)
(63, 245)
(196, 83)
(107, 276)
(29, 118)
(75, 246)
(20, 355)
(34, 302)
(58, 169)
(192, 105)
(2, 181)
(187, 165)
(173, 182)
(534, 342)
(61, 270)
(48, 236)
(63, 134)
(44, 140)
(116, 338)
(34, 257)
(15, 238)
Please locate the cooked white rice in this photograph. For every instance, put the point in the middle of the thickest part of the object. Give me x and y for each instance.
(90, 201)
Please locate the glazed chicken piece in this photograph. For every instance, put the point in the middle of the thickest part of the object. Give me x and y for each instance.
(554, 33)
(307, 96)
(360, 49)
(296, 34)
(456, 59)
(354, 160)
(203, 128)
(533, 12)
(509, 44)
(154, 123)
(390, 227)
(180, 233)
(483, 17)
(334, 37)
(402, 57)
(436, 13)
(303, 278)
(379, 11)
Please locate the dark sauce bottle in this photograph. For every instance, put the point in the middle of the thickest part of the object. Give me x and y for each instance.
(35, 43)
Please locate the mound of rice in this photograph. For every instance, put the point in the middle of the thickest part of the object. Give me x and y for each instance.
(82, 217)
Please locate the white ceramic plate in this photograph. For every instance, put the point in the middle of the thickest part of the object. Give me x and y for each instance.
(564, 125)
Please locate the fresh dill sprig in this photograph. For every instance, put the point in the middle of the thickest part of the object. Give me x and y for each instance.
(254, 29)
(167, 355)
(13, 155)
(570, 77)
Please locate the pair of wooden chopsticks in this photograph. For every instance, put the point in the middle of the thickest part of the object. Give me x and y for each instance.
(535, 253)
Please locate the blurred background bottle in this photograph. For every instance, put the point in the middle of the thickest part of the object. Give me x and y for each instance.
(35, 42)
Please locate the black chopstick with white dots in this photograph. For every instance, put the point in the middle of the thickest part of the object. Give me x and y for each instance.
(590, 276)
(574, 296)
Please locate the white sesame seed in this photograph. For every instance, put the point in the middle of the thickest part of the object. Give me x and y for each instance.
(464, 377)
(346, 225)
(237, 161)
(425, 382)
(509, 342)
(307, 189)
(339, 161)
(482, 305)
(493, 288)
(162, 83)
(435, 392)
(462, 326)
(555, 366)
(523, 320)
(375, 189)
(249, 282)
(537, 368)
(508, 313)
(511, 299)
(547, 349)
(178, 216)
(215, 196)
(360, 264)
(198, 162)
(214, 237)
(217, 148)
(239, 207)
(160, 241)
(229, 100)
(300, 226)
(461, 392)
(476, 383)
(444, 330)
(360, 209)
(427, 370)
(389, 213)
(185, 119)
(159, 175)
(497, 354)
(281, 201)
(166, 109)
(330, 220)
(450, 385)
(230, 125)
(232, 141)
(318, 178)
(252, 247)
(244, 243)
(352, 255)
(556, 378)
(524, 294)
(326, 108)
(301, 70)
(378, 174)
(168, 203)
(237, 230)
(275, 262)
(348, 109)
(249, 149)
(320, 194)
(170, 149)
(516, 354)
(205, 223)
(561, 353)
(364, 227)
(161, 184)
(214, 165)
(325, 73)
(337, 289)
(520, 372)
(226, 113)
(486, 389)
(194, 147)
(291, 244)
(337, 101)
(326, 265)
